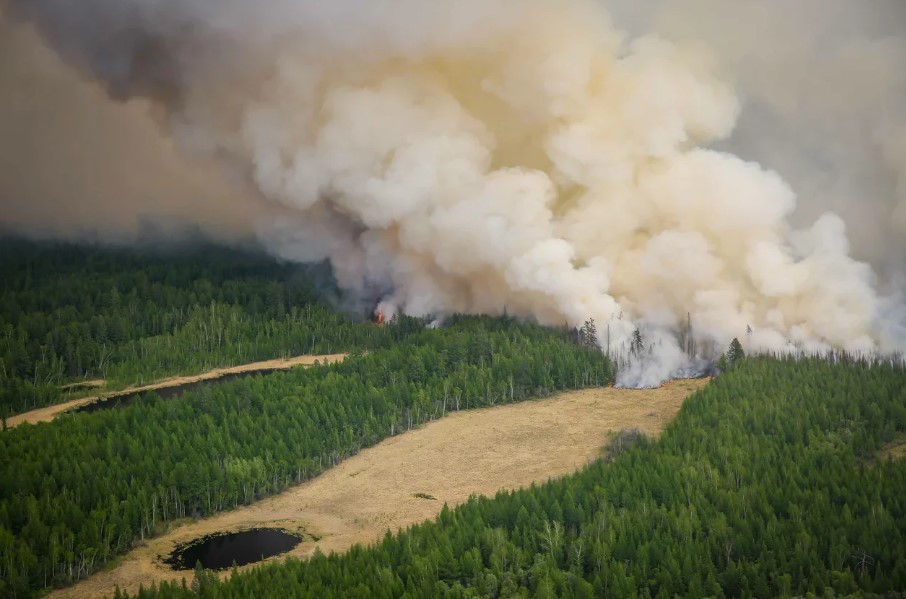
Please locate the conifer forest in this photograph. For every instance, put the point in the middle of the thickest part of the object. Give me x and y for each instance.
(782, 477)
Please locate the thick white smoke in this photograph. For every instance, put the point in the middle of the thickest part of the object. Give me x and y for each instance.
(467, 156)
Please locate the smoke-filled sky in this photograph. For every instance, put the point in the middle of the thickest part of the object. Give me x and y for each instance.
(743, 162)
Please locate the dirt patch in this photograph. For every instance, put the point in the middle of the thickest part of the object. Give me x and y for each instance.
(385, 487)
(895, 450)
(47, 414)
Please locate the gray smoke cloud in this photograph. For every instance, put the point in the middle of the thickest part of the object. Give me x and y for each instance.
(824, 94)
(76, 165)
(739, 165)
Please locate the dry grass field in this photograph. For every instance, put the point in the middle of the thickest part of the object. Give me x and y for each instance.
(48, 413)
(471, 452)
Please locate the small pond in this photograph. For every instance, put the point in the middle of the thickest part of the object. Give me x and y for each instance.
(220, 551)
(125, 399)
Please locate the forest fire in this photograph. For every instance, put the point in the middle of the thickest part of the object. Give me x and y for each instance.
(379, 317)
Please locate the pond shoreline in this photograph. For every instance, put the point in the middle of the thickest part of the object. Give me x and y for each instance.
(222, 550)
(384, 487)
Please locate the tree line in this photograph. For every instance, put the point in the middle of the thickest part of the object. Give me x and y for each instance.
(82, 489)
(131, 316)
(767, 484)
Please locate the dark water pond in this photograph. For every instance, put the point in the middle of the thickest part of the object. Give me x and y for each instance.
(219, 552)
(125, 399)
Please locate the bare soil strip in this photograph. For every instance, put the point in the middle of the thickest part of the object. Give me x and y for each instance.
(407, 479)
(47, 413)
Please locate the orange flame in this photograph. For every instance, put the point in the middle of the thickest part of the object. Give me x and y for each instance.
(380, 316)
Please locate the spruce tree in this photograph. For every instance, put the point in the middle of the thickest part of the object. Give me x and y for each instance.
(589, 334)
(735, 354)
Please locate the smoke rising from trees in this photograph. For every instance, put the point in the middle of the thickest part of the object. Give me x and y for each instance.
(530, 156)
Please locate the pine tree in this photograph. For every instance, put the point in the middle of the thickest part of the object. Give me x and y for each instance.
(735, 354)
(588, 336)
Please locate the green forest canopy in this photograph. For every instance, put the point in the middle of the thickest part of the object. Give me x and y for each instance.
(131, 316)
(80, 490)
(765, 485)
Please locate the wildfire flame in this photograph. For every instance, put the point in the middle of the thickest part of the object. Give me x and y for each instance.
(380, 316)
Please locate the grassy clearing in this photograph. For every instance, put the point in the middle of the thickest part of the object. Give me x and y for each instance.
(48, 413)
(386, 486)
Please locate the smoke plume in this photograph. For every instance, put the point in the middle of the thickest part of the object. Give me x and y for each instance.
(75, 165)
(527, 156)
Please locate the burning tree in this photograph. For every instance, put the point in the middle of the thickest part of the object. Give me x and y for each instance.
(637, 345)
